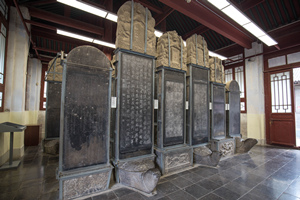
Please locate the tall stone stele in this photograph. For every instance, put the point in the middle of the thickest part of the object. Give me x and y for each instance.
(134, 63)
(53, 103)
(170, 140)
(84, 163)
(233, 121)
(220, 142)
(198, 82)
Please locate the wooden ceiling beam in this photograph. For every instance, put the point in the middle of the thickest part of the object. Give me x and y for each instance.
(151, 6)
(65, 21)
(211, 20)
(159, 18)
(199, 30)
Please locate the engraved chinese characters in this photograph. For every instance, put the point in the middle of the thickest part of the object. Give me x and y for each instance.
(136, 108)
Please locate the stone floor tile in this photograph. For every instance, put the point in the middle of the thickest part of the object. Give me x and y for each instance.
(180, 194)
(105, 196)
(181, 182)
(167, 187)
(211, 196)
(122, 191)
(286, 196)
(209, 185)
(196, 191)
(226, 193)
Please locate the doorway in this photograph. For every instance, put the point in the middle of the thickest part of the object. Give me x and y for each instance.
(280, 114)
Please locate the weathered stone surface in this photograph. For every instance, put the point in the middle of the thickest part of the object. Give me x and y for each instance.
(54, 72)
(216, 70)
(85, 185)
(233, 115)
(140, 174)
(226, 146)
(204, 156)
(173, 160)
(177, 51)
(51, 147)
(52, 126)
(139, 21)
(202, 51)
(243, 146)
(85, 108)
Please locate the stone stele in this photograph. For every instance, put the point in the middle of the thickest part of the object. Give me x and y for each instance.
(139, 174)
(191, 51)
(177, 51)
(139, 22)
(216, 70)
(55, 73)
(243, 146)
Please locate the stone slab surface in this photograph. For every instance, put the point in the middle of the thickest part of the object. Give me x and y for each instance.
(139, 21)
(177, 51)
(86, 108)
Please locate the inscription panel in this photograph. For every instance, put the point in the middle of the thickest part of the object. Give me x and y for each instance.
(200, 114)
(218, 126)
(234, 114)
(174, 107)
(136, 101)
(86, 116)
(200, 131)
(53, 109)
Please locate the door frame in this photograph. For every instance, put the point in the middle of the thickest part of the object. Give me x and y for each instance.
(267, 72)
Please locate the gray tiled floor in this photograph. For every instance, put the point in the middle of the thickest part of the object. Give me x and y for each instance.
(264, 173)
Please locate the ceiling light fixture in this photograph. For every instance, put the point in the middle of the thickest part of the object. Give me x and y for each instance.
(234, 13)
(112, 17)
(80, 37)
(85, 7)
(73, 35)
(158, 33)
(212, 54)
(107, 44)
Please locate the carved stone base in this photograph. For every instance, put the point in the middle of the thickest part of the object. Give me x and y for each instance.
(140, 174)
(51, 146)
(243, 146)
(204, 156)
(224, 146)
(83, 182)
(170, 160)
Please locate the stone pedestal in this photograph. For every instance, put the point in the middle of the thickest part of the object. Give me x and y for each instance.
(225, 146)
(243, 146)
(84, 164)
(140, 174)
(51, 146)
(174, 159)
(83, 182)
(205, 156)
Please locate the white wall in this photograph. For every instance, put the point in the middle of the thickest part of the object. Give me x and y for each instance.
(255, 94)
(15, 85)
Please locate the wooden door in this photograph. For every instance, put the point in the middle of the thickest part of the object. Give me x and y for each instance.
(280, 120)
